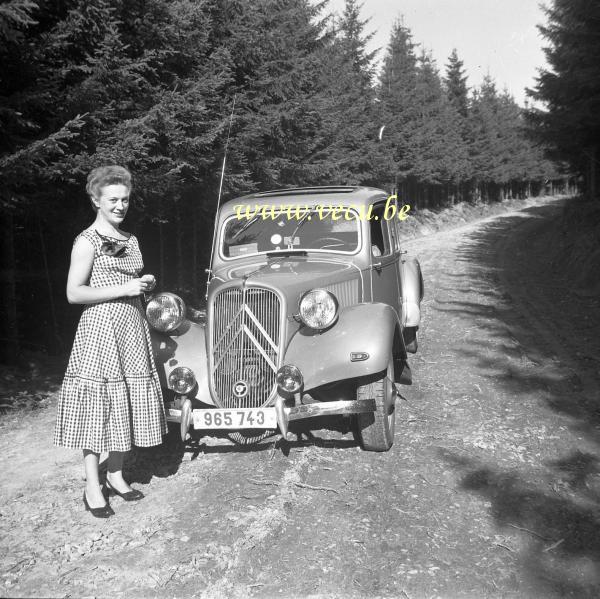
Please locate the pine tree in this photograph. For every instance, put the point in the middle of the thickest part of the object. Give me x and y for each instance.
(456, 84)
(15, 15)
(30, 143)
(569, 90)
(278, 56)
(504, 159)
(346, 96)
(355, 41)
(399, 106)
(485, 148)
(440, 154)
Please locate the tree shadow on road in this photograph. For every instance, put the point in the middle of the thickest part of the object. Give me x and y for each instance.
(162, 461)
(525, 309)
(560, 534)
(312, 432)
(524, 331)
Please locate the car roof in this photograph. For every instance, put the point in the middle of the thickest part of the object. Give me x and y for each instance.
(312, 196)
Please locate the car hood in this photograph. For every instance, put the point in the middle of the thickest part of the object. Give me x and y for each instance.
(292, 274)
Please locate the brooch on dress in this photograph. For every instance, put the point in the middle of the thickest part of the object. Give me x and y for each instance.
(112, 247)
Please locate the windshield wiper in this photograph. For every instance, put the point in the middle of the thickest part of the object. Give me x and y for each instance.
(244, 227)
(293, 235)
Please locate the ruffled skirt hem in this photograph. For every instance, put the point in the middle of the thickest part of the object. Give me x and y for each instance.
(110, 414)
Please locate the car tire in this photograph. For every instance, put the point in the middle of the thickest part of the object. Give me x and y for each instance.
(411, 341)
(376, 429)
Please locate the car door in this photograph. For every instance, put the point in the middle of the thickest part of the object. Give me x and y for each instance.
(384, 259)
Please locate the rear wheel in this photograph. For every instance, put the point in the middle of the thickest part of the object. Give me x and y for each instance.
(376, 429)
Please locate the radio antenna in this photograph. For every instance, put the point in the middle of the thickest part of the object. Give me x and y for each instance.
(212, 250)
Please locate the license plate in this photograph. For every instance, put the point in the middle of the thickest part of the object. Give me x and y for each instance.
(235, 419)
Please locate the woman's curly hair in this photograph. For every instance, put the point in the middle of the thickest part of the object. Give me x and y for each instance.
(107, 175)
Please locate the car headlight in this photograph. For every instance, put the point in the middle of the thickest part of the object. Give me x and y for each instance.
(182, 380)
(318, 309)
(165, 312)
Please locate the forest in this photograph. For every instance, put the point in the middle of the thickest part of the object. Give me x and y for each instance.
(161, 85)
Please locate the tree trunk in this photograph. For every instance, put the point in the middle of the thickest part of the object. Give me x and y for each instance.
(9, 341)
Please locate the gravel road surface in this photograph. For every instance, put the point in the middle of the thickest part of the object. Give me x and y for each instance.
(492, 487)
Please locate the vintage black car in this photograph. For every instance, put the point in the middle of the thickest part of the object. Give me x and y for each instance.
(312, 310)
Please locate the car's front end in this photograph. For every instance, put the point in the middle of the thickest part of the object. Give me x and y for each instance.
(288, 333)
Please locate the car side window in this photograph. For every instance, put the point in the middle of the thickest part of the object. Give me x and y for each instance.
(390, 224)
(380, 235)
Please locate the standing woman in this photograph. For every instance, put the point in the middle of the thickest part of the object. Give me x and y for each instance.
(110, 397)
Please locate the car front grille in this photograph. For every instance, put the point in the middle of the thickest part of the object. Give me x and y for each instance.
(246, 340)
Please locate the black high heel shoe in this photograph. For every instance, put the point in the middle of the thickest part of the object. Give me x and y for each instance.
(133, 495)
(98, 512)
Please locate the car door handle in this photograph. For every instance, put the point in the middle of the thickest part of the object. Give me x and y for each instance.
(378, 267)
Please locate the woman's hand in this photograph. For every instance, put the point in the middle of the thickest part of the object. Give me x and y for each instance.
(78, 288)
(150, 281)
(134, 287)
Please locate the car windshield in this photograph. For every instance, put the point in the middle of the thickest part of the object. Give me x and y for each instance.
(304, 229)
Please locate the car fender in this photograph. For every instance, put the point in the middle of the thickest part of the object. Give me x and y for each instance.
(412, 292)
(325, 357)
(186, 346)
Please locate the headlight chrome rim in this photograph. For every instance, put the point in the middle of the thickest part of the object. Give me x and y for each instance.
(321, 320)
(165, 312)
(181, 380)
(289, 379)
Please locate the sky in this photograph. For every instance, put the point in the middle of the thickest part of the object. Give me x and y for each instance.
(498, 37)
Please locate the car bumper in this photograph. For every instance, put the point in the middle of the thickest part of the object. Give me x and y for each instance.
(283, 414)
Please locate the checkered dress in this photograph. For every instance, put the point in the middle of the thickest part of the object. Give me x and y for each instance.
(111, 396)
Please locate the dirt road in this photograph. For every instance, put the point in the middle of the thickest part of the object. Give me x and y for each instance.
(492, 487)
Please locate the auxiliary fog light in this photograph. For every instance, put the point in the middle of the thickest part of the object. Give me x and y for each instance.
(182, 380)
(289, 379)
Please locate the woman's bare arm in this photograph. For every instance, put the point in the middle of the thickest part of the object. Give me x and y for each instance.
(78, 288)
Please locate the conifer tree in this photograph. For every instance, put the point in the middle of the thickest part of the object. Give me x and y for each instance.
(456, 84)
(354, 41)
(15, 15)
(484, 148)
(346, 100)
(277, 56)
(151, 84)
(32, 139)
(441, 155)
(399, 107)
(569, 90)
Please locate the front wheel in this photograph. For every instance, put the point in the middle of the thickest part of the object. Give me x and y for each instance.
(411, 340)
(376, 429)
